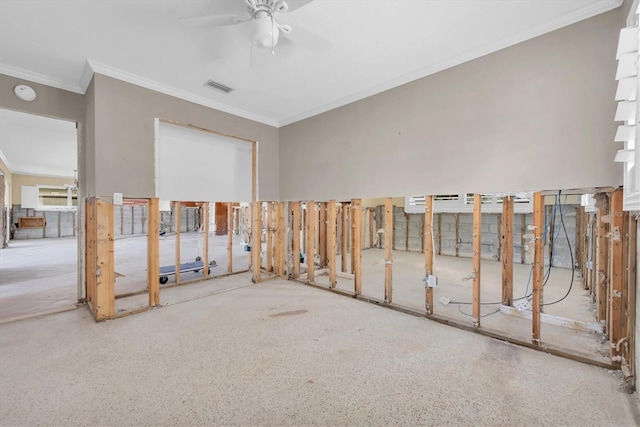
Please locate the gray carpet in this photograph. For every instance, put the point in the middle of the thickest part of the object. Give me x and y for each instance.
(283, 353)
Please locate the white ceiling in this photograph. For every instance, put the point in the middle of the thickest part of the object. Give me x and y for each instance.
(371, 46)
(35, 145)
(338, 52)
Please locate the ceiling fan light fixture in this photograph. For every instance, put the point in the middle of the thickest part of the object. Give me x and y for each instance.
(266, 33)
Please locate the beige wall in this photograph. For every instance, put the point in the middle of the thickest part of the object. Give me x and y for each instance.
(535, 116)
(125, 137)
(19, 180)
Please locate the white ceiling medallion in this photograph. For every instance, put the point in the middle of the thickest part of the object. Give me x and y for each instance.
(24, 92)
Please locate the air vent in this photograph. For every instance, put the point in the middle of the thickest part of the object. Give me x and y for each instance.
(218, 86)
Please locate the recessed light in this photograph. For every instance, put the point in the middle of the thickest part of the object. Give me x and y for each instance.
(24, 92)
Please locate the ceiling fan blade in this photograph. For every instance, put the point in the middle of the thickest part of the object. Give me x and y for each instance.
(215, 20)
(296, 4)
(308, 40)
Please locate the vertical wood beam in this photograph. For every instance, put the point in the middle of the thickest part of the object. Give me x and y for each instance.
(477, 248)
(439, 234)
(345, 236)
(631, 298)
(388, 250)
(311, 240)
(576, 243)
(205, 252)
(230, 237)
(625, 276)
(153, 252)
(523, 231)
(594, 270)
(256, 239)
(428, 251)
(353, 255)
(295, 235)
(303, 226)
(356, 245)
(585, 247)
(538, 264)
(331, 241)
(616, 271)
(507, 250)
(269, 227)
(90, 256)
(457, 245)
(105, 283)
(280, 241)
(602, 262)
(322, 240)
(177, 256)
(550, 234)
(406, 232)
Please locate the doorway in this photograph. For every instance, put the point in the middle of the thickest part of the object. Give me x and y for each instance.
(39, 250)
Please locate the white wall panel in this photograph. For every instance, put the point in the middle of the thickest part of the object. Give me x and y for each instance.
(201, 166)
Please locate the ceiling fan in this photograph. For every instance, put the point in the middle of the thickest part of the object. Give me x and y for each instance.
(260, 17)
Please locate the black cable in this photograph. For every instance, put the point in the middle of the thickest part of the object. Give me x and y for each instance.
(547, 274)
(573, 271)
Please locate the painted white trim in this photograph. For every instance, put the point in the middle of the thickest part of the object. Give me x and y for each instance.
(85, 79)
(44, 175)
(6, 162)
(20, 73)
(178, 93)
(588, 12)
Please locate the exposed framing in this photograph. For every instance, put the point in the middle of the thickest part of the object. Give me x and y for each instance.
(616, 260)
(295, 231)
(428, 252)
(506, 250)
(230, 227)
(153, 252)
(538, 265)
(331, 241)
(356, 245)
(178, 221)
(477, 248)
(388, 250)
(311, 235)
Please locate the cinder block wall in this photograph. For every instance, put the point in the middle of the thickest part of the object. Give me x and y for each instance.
(129, 220)
(58, 223)
(453, 234)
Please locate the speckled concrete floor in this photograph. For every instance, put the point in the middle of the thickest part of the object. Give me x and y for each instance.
(283, 353)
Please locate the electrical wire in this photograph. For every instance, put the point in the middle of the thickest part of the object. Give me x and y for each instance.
(573, 271)
(547, 275)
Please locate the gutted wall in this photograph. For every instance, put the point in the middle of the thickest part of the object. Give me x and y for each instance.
(509, 121)
(125, 137)
(58, 223)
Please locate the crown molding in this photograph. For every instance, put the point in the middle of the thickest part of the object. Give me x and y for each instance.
(169, 90)
(5, 161)
(43, 175)
(572, 18)
(20, 73)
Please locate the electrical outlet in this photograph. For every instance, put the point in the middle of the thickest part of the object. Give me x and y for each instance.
(432, 281)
